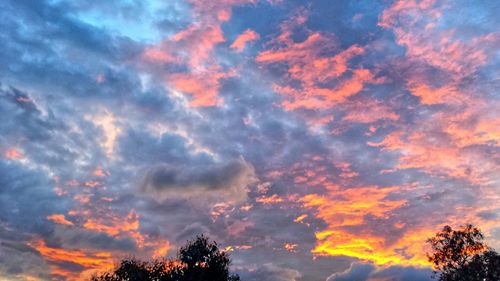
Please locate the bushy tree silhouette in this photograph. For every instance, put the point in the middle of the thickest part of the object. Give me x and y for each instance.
(199, 260)
(462, 255)
(204, 261)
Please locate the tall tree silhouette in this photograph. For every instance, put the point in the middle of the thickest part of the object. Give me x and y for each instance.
(199, 260)
(462, 255)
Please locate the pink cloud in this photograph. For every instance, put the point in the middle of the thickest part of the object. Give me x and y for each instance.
(158, 55)
(197, 42)
(203, 87)
(241, 41)
(13, 154)
(323, 80)
(415, 24)
(193, 49)
(450, 140)
(369, 111)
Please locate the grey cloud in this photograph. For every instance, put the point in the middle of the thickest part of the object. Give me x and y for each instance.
(488, 214)
(25, 198)
(16, 259)
(272, 272)
(368, 272)
(399, 273)
(141, 147)
(357, 272)
(222, 181)
(85, 239)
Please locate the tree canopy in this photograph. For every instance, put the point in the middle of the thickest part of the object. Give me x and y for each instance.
(199, 260)
(462, 255)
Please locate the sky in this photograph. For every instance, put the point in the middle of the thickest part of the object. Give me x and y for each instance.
(313, 140)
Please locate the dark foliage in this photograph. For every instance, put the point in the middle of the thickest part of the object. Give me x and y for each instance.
(199, 260)
(461, 255)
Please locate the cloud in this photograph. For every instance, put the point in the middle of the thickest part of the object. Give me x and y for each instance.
(272, 272)
(192, 53)
(344, 209)
(323, 73)
(203, 87)
(368, 272)
(375, 123)
(242, 39)
(73, 264)
(221, 181)
(357, 271)
(399, 273)
(418, 24)
(369, 111)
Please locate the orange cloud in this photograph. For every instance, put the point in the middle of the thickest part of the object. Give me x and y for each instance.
(342, 209)
(375, 248)
(56, 257)
(451, 140)
(478, 126)
(114, 225)
(300, 218)
(353, 205)
(99, 172)
(119, 227)
(290, 247)
(241, 41)
(266, 200)
(59, 219)
(442, 145)
(96, 214)
(161, 248)
(351, 216)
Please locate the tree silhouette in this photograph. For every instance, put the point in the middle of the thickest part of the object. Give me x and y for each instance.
(204, 261)
(461, 255)
(199, 260)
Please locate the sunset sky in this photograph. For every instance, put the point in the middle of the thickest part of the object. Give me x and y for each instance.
(313, 140)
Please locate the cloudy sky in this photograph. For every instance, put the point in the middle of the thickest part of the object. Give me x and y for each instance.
(314, 140)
